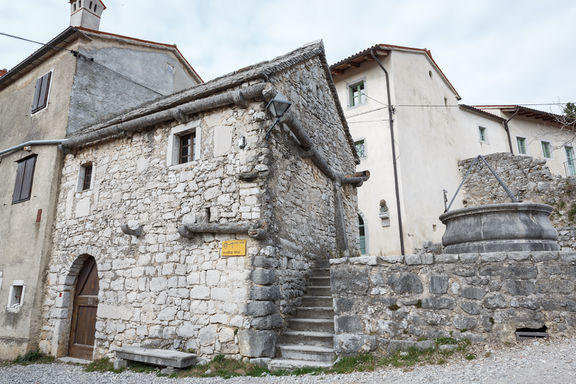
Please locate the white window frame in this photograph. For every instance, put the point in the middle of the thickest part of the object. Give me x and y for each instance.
(349, 94)
(82, 175)
(366, 250)
(12, 306)
(525, 146)
(45, 107)
(483, 131)
(173, 153)
(570, 162)
(363, 140)
(550, 149)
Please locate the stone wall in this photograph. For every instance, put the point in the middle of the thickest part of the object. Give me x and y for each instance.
(385, 302)
(530, 180)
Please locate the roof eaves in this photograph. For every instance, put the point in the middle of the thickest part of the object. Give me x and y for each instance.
(480, 112)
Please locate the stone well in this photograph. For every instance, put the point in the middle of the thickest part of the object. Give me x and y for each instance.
(505, 227)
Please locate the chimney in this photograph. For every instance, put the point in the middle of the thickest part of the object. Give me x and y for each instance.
(3, 72)
(86, 13)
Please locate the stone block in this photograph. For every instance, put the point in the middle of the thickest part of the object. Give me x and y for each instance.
(260, 308)
(343, 305)
(438, 303)
(267, 322)
(427, 258)
(348, 324)
(413, 259)
(545, 256)
(438, 284)
(255, 343)
(207, 335)
(405, 282)
(469, 258)
(493, 256)
(519, 256)
(519, 287)
(472, 293)
(568, 256)
(400, 345)
(446, 258)
(464, 322)
(494, 301)
(263, 276)
(391, 259)
(160, 357)
(522, 271)
(264, 262)
(470, 307)
(350, 344)
(350, 279)
(270, 293)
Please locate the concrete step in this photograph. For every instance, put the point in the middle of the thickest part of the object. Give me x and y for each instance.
(288, 364)
(318, 325)
(315, 313)
(316, 301)
(319, 281)
(322, 339)
(307, 352)
(318, 291)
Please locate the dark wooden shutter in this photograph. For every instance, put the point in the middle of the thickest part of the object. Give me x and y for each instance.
(41, 92)
(24, 176)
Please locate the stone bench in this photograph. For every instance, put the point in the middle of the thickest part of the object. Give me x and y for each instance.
(160, 357)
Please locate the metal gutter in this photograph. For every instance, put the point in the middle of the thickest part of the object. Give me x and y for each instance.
(31, 143)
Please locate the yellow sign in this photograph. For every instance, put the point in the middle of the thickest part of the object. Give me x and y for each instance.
(234, 248)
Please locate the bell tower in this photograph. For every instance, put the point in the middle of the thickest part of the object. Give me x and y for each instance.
(86, 13)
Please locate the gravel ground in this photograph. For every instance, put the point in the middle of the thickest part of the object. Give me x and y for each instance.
(527, 362)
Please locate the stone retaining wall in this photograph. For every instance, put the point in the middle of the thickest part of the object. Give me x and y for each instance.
(389, 301)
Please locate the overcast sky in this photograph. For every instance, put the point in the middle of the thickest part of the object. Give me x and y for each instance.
(493, 51)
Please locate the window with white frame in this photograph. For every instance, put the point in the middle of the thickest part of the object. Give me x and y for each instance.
(362, 232)
(521, 143)
(360, 146)
(483, 134)
(546, 149)
(16, 294)
(570, 166)
(85, 176)
(41, 92)
(356, 94)
(184, 143)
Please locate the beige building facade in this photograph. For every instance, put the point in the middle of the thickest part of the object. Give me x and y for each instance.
(79, 77)
(389, 90)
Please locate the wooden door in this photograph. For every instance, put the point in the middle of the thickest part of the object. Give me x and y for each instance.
(83, 325)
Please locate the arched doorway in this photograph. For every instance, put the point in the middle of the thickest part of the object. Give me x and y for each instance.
(83, 325)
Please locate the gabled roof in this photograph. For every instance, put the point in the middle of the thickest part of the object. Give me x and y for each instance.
(525, 112)
(381, 50)
(480, 112)
(254, 73)
(71, 34)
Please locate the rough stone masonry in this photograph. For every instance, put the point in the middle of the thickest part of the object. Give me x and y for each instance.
(156, 228)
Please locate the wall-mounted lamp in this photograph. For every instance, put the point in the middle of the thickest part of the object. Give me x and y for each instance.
(277, 108)
(27, 148)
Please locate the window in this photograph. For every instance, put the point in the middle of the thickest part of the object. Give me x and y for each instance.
(16, 294)
(357, 94)
(85, 177)
(187, 144)
(546, 149)
(483, 134)
(360, 148)
(362, 230)
(24, 175)
(521, 141)
(41, 92)
(570, 167)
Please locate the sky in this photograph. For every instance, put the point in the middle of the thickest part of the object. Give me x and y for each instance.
(492, 51)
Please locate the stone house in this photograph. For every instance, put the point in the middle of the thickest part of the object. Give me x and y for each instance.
(203, 217)
(431, 131)
(80, 77)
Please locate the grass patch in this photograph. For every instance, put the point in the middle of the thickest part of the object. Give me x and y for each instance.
(360, 363)
(33, 357)
(101, 365)
(223, 367)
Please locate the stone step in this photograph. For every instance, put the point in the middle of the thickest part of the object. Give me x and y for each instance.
(318, 325)
(307, 352)
(322, 263)
(316, 301)
(322, 339)
(318, 291)
(315, 313)
(319, 281)
(320, 272)
(288, 364)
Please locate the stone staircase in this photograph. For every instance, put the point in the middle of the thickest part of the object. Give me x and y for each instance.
(309, 339)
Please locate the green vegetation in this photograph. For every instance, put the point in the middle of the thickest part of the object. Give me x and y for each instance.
(101, 365)
(33, 357)
(572, 213)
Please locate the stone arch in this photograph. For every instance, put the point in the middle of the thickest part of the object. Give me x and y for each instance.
(61, 313)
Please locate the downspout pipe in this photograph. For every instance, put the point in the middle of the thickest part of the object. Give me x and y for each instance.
(507, 129)
(31, 143)
(394, 163)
